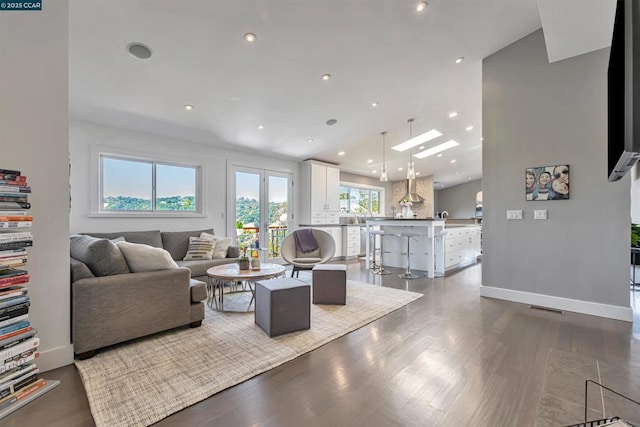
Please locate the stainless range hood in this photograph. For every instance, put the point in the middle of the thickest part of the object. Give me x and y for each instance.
(411, 195)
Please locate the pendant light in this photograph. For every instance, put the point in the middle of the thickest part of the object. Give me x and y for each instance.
(383, 172)
(411, 171)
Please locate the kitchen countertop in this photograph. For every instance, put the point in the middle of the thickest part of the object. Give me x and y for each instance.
(329, 225)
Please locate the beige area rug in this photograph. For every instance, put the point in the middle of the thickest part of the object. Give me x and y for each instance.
(144, 381)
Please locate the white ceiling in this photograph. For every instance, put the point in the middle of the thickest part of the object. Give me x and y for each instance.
(375, 50)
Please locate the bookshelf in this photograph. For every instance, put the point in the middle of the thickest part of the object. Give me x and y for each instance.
(20, 382)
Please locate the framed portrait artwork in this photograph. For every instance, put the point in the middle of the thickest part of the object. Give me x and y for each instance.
(547, 183)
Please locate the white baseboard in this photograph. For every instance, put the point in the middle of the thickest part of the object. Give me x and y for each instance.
(559, 303)
(55, 358)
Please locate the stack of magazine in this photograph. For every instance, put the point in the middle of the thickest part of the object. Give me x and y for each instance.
(19, 379)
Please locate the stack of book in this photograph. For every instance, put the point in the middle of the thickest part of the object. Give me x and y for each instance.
(19, 381)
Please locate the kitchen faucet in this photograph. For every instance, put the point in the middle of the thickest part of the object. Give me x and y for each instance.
(442, 215)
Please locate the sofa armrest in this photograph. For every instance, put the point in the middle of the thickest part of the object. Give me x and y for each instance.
(198, 291)
(111, 309)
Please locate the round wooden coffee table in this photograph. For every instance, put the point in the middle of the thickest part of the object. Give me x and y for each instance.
(222, 274)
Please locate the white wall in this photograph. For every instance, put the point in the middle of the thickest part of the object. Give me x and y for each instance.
(214, 160)
(539, 114)
(459, 200)
(34, 119)
(634, 173)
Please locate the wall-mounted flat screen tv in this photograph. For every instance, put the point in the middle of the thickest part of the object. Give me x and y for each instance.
(623, 84)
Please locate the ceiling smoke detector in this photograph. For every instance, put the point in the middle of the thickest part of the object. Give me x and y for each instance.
(139, 51)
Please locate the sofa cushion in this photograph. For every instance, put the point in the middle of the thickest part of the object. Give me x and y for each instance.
(146, 258)
(79, 270)
(199, 248)
(151, 238)
(102, 256)
(233, 252)
(221, 244)
(177, 242)
(200, 267)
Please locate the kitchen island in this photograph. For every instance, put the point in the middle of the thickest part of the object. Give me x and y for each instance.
(427, 245)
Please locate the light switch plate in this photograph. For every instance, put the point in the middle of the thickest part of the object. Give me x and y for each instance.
(540, 214)
(514, 214)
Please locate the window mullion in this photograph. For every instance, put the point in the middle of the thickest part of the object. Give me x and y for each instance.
(153, 187)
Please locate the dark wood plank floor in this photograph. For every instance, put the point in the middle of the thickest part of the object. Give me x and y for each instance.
(450, 358)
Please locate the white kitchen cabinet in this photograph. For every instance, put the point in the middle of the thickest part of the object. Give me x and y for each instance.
(462, 245)
(351, 241)
(319, 193)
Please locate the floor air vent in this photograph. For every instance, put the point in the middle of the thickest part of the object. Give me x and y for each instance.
(552, 310)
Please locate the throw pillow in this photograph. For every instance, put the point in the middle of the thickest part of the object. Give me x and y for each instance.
(146, 258)
(199, 248)
(177, 242)
(222, 244)
(102, 256)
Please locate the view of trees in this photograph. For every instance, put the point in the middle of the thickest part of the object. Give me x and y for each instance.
(172, 203)
(359, 200)
(248, 211)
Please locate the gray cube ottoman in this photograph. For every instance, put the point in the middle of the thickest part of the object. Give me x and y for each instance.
(330, 284)
(283, 305)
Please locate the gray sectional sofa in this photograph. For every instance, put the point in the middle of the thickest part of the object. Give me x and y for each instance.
(110, 304)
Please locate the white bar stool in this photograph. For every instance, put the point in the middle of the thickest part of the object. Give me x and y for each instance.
(407, 274)
(378, 268)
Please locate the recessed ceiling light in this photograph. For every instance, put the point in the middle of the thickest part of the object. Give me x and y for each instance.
(453, 114)
(341, 153)
(374, 104)
(421, 6)
(250, 37)
(374, 171)
(439, 155)
(420, 139)
(370, 161)
(469, 128)
(421, 147)
(260, 127)
(459, 59)
(469, 178)
(453, 161)
(139, 51)
(310, 140)
(438, 148)
(189, 107)
(325, 76)
(399, 169)
(417, 173)
(482, 138)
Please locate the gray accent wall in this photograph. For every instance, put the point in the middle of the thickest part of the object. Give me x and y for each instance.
(537, 114)
(459, 200)
(34, 121)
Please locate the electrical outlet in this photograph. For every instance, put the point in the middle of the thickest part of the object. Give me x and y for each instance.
(514, 214)
(540, 214)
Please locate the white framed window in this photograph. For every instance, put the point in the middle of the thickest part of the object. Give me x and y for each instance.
(361, 199)
(140, 185)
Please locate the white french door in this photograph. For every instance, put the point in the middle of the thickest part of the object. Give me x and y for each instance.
(260, 210)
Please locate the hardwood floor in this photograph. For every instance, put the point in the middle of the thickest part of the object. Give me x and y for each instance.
(450, 358)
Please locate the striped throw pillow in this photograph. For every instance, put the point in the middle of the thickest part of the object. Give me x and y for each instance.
(199, 249)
